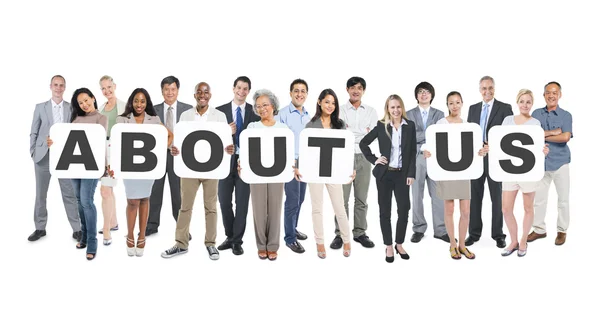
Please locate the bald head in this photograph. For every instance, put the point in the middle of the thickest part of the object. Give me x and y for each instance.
(202, 96)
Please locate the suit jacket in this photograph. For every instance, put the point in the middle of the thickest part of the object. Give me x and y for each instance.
(249, 116)
(415, 115)
(213, 115)
(43, 119)
(499, 111)
(160, 111)
(408, 146)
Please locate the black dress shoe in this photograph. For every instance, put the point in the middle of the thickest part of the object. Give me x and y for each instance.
(225, 245)
(237, 249)
(389, 259)
(444, 237)
(500, 242)
(37, 234)
(300, 235)
(337, 242)
(416, 237)
(365, 241)
(404, 256)
(77, 235)
(150, 232)
(296, 247)
(470, 241)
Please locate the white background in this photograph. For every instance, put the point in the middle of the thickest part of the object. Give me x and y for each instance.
(394, 47)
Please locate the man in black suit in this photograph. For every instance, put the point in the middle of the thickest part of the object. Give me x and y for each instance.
(488, 113)
(169, 112)
(239, 114)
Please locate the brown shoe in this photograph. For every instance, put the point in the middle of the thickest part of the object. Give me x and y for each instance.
(533, 236)
(561, 237)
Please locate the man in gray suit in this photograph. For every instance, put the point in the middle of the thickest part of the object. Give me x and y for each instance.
(53, 111)
(423, 116)
(169, 112)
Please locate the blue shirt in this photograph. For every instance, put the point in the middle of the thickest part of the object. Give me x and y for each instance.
(295, 120)
(559, 154)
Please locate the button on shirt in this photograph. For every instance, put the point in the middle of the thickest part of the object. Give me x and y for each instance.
(396, 152)
(295, 120)
(559, 154)
(358, 120)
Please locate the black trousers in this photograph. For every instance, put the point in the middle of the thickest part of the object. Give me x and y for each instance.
(234, 224)
(477, 191)
(156, 197)
(393, 182)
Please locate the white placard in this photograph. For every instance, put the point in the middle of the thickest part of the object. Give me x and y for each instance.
(79, 136)
(157, 136)
(532, 151)
(312, 163)
(267, 154)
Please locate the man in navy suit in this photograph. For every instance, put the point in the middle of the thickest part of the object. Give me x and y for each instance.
(487, 113)
(239, 114)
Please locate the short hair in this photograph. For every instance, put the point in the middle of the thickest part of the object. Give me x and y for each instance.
(553, 82)
(199, 83)
(149, 106)
(523, 92)
(243, 79)
(76, 110)
(298, 81)
(427, 86)
(58, 76)
(106, 77)
(272, 98)
(486, 78)
(354, 80)
(169, 80)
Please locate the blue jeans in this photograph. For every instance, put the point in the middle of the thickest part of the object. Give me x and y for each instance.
(84, 191)
(294, 197)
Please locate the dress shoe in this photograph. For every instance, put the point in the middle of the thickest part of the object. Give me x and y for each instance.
(404, 256)
(416, 237)
(444, 237)
(107, 242)
(470, 241)
(37, 234)
(225, 245)
(150, 232)
(522, 253)
(237, 249)
(296, 247)
(533, 236)
(365, 241)
(300, 235)
(561, 237)
(116, 228)
(500, 242)
(336, 243)
(389, 259)
(507, 252)
(77, 235)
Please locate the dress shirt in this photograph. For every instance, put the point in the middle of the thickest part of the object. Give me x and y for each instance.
(395, 160)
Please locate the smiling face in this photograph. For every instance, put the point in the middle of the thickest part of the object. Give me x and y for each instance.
(327, 105)
(139, 104)
(424, 96)
(170, 93)
(240, 92)
(454, 105)
(57, 86)
(86, 103)
(298, 95)
(355, 92)
(487, 89)
(552, 94)
(525, 103)
(202, 95)
(108, 89)
(264, 108)
(395, 109)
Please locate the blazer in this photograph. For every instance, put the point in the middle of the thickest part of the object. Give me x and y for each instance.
(499, 111)
(213, 115)
(415, 115)
(249, 116)
(153, 120)
(120, 107)
(181, 107)
(408, 146)
(43, 119)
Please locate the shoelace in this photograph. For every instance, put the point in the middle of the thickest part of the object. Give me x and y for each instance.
(172, 250)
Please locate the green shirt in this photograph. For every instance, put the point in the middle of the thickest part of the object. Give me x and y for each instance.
(112, 118)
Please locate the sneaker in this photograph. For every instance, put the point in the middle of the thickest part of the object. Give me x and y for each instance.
(173, 251)
(213, 253)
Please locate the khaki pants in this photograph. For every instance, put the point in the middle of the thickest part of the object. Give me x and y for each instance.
(336, 194)
(267, 202)
(189, 188)
(561, 180)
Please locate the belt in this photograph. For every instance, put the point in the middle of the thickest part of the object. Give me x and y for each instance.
(394, 169)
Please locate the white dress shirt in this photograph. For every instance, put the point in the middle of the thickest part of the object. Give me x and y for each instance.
(58, 107)
(396, 152)
(234, 111)
(358, 121)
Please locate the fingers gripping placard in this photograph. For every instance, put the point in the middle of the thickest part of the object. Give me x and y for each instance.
(326, 156)
(141, 151)
(516, 153)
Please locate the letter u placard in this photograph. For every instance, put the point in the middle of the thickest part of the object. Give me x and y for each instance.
(138, 151)
(77, 151)
(267, 155)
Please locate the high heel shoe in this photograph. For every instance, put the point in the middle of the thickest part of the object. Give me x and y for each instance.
(321, 254)
(107, 242)
(389, 259)
(507, 252)
(347, 251)
(404, 256)
(139, 251)
(130, 250)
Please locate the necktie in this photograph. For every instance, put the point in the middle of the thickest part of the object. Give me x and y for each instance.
(483, 120)
(57, 114)
(424, 117)
(239, 123)
(170, 118)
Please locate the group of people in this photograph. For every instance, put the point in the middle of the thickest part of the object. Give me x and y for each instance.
(402, 164)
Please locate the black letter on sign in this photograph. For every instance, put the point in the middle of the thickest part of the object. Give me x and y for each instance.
(326, 154)
(255, 157)
(466, 147)
(128, 152)
(525, 154)
(86, 158)
(216, 151)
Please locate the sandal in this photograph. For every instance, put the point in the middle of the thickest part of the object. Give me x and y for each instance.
(347, 251)
(90, 256)
(272, 255)
(262, 254)
(454, 253)
(139, 251)
(80, 245)
(467, 253)
(321, 254)
(130, 250)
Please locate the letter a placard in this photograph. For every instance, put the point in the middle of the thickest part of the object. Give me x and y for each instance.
(77, 151)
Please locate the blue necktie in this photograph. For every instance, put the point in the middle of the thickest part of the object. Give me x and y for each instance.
(483, 120)
(239, 123)
(424, 117)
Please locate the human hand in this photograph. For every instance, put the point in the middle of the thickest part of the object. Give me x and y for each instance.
(49, 141)
(546, 149)
(409, 181)
(426, 154)
(233, 128)
(381, 161)
(297, 174)
(174, 151)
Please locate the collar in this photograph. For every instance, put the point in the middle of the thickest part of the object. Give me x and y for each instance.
(350, 106)
(558, 111)
(55, 104)
(293, 108)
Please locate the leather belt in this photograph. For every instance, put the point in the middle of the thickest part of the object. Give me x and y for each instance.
(394, 169)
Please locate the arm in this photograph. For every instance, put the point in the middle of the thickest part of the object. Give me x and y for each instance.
(562, 134)
(364, 145)
(563, 137)
(412, 167)
(35, 130)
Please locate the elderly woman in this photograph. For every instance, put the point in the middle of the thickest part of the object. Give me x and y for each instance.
(510, 189)
(139, 110)
(267, 198)
(85, 110)
(112, 108)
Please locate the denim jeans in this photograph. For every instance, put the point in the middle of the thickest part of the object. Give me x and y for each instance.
(294, 197)
(84, 191)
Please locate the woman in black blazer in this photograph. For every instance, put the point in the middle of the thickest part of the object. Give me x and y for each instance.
(394, 170)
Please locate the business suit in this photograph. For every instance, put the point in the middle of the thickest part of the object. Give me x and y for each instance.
(391, 179)
(156, 197)
(418, 188)
(496, 116)
(235, 226)
(43, 119)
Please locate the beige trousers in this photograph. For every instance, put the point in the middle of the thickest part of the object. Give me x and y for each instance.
(189, 188)
(267, 202)
(336, 194)
(561, 180)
